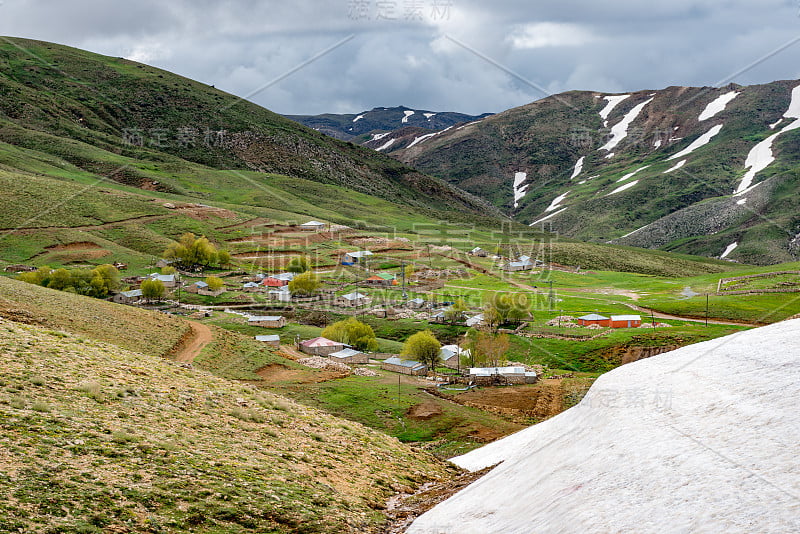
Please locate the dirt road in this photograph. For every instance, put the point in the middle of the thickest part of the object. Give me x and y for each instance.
(200, 337)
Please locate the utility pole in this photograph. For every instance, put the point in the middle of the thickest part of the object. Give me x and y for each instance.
(653, 319)
(706, 309)
(403, 276)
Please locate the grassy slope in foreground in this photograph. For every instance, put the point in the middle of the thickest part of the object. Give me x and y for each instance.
(125, 442)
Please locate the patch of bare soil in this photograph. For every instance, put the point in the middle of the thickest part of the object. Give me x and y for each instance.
(202, 213)
(402, 509)
(425, 410)
(541, 400)
(276, 372)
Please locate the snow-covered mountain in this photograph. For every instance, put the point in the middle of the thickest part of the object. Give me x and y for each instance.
(701, 439)
(378, 123)
(687, 169)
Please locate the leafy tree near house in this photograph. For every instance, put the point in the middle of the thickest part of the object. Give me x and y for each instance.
(168, 269)
(299, 264)
(97, 282)
(191, 251)
(422, 347)
(215, 283)
(223, 258)
(353, 332)
(304, 284)
(456, 312)
(486, 349)
(153, 290)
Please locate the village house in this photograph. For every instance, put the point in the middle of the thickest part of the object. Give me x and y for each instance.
(273, 340)
(267, 321)
(250, 287)
(320, 346)
(625, 321)
(475, 321)
(594, 318)
(406, 367)
(519, 265)
(196, 287)
(478, 251)
(271, 281)
(382, 279)
(349, 356)
(508, 375)
(19, 268)
(281, 294)
(160, 264)
(169, 280)
(416, 303)
(352, 258)
(352, 299)
(450, 355)
(313, 226)
(128, 297)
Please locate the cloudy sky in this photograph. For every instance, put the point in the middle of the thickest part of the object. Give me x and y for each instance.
(345, 56)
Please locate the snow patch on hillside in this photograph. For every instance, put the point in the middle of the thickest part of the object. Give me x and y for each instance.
(775, 124)
(425, 137)
(378, 137)
(578, 167)
(406, 114)
(386, 145)
(358, 118)
(700, 439)
(760, 156)
(677, 166)
(741, 202)
(612, 102)
(717, 105)
(547, 217)
(622, 188)
(657, 143)
(632, 174)
(697, 143)
(519, 189)
(729, 249)
(556, 203)
(620, 130)
(428, 115)
(469, 124)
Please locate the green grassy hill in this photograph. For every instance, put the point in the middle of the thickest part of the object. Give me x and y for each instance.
(66, 110)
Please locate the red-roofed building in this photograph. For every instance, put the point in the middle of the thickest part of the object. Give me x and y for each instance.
(320, 346)
(274, 282)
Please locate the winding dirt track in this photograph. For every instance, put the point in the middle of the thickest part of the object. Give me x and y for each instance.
(201, 336)
(86, 227)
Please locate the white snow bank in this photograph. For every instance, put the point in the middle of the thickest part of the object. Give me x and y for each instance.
(358, 118)
(620, 130)
(697, 143)
(612, 102)
(632, 174)
(701, 439)
(717, 105)
(760, 156)
(406, 114)
(428, 115)
(741, 202)
(578, 167)
(556, 203)
(386, 145)
(657, 143)
(378, 137)
(519, 189)
(775, 124)
(677, 166)
(730, 248)
(469, 124)
(622, 188)
(537, 221)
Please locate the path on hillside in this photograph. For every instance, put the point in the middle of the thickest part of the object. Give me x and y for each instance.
(86, 227)
(200, 337)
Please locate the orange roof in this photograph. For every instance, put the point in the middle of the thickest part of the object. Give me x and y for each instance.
(321, 342)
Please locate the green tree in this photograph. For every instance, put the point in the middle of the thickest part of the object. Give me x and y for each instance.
(486, 349)
(105, 279)
(168, 269)
(456, 312)
(304, 284)
(215, 283)
(299, 264)
(60, 279)
(352, 332)
(153, 289)
(422, 347)
(223, 258)
(191, 251)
